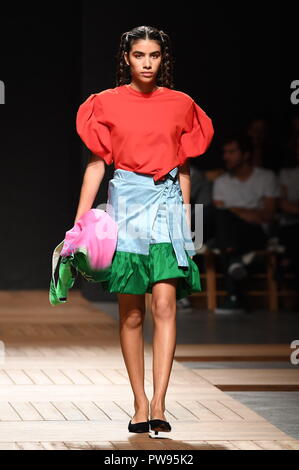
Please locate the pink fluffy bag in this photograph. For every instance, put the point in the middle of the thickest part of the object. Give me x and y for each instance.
(94, 234)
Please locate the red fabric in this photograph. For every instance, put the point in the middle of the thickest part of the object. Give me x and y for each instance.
(147, 133)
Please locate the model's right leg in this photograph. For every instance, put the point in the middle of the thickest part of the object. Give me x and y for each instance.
(131, 318)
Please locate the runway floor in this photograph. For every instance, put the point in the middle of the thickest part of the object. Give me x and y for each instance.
(64, 385)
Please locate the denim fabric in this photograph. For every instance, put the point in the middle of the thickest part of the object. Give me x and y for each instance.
(149, 211)
(160, 232)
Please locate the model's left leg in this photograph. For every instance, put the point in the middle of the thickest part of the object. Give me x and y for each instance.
(164, 342)
(131, 319)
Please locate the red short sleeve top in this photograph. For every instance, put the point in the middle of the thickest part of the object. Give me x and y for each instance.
(147, 133)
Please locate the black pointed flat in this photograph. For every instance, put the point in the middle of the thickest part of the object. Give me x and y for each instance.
(159, 425)
(143, 426)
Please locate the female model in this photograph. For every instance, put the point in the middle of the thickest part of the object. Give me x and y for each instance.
(148, 131)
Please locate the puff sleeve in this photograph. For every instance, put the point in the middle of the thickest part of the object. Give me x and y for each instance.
(196, 135)
(93, 129)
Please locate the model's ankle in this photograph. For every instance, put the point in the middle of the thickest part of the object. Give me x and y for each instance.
(141, 402)
(157, 405)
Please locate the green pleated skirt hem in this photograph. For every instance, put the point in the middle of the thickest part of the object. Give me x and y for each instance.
(134, 273)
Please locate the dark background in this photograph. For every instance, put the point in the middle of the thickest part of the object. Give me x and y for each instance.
(229, 57)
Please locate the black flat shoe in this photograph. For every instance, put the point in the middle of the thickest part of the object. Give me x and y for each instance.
(143, 426)
(159, 426)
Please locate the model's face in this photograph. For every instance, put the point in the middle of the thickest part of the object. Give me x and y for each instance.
(233, 156)
(145, 56)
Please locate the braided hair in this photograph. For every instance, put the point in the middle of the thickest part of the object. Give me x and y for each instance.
(165, 75)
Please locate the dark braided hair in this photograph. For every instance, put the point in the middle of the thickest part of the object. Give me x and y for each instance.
(165, 75)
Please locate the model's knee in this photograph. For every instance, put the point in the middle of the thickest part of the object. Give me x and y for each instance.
(163, 309)
(132, 319)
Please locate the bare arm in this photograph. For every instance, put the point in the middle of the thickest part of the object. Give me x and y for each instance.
(218, 203)
(185, 183)
(257, 216)
(92, 179)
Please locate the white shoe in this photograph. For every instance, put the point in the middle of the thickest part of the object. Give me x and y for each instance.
(184, 303)
(248, 257)
(237, 271)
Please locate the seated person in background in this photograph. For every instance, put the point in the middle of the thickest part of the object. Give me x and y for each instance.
(245, 201)
(289, 216)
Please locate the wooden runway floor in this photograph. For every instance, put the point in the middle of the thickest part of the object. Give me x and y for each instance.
(64, 385)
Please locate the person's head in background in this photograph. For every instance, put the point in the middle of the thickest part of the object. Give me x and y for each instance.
(294, 153)
(291, 144)
(258, 130)
(237, 153)
(294, 123)
(297, 150)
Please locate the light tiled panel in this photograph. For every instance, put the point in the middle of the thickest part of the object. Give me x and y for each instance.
(64, 385)
(116, 430)
(255, 378)
(231, 352)
(141, 444)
